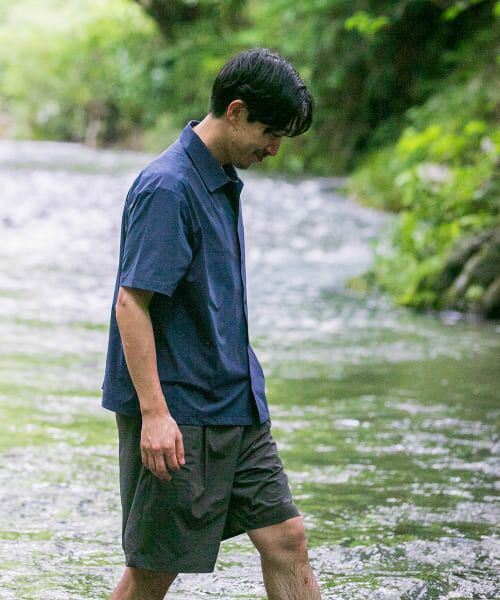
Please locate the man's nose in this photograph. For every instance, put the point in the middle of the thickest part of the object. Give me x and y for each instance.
(273, 146)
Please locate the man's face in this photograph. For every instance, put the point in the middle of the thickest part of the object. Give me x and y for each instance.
(251, 142)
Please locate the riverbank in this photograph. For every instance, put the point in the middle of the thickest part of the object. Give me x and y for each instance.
(441, 179)
(466, 282)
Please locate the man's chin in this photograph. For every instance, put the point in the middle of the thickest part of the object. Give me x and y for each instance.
(241, 165)
(251, 161)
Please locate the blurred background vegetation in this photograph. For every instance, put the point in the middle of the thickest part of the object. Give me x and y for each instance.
(407, 95)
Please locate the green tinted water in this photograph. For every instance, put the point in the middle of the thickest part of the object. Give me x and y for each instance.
(387, 422)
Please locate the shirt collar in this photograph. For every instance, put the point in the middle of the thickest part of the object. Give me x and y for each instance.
(213, 175)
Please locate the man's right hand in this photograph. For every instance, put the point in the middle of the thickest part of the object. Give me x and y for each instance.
(162, 448)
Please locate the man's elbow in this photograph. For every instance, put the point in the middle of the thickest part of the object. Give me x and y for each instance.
(122, 306)
(129, 300)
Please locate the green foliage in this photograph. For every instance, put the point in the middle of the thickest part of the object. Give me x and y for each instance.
(69, 73)
(99, 70)
(189, 67)
(458, 7)
(366, 62)
(442, 177)
(365, 24)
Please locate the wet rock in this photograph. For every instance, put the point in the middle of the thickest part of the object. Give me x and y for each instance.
(464, 250)
(462, 282)
(454, 267)
(473, 267)
(486, 267)
(491, 301)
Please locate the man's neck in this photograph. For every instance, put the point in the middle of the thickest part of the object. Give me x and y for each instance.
(212, 134)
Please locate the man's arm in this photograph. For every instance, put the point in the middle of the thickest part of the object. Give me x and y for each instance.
(161, 440)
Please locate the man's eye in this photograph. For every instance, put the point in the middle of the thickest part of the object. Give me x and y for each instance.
(269, 130)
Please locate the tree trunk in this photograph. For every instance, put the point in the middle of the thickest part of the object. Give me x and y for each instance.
(168, 13)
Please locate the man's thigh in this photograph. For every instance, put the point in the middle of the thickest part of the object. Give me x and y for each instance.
(261, 494)
(176, 526)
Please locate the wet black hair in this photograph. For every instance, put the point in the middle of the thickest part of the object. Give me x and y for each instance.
(271, 88)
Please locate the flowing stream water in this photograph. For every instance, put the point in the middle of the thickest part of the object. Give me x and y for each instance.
(387, 421)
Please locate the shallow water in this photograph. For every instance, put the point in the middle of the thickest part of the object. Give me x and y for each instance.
(387, 422)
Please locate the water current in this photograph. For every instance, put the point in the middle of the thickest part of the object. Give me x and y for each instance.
(387, 421)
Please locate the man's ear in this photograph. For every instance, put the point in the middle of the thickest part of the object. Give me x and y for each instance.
(236, 112)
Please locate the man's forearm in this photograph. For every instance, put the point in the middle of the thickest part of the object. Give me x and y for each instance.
(136, 331)
(162, 449)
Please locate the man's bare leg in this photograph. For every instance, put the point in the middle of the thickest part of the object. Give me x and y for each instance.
(141, 584)
(285, 563)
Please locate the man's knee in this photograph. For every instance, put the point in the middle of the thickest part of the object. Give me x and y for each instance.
(293, 538)
(286, 542)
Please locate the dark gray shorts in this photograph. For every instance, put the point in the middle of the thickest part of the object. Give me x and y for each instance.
(233, 481)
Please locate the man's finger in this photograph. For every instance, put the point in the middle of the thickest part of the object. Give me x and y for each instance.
(179, 449)
(171, 459)
(146, 460)
(160, 469)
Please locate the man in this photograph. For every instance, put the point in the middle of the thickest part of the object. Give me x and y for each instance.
(197, 460)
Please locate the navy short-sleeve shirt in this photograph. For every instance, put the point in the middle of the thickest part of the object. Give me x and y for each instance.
(182, 238)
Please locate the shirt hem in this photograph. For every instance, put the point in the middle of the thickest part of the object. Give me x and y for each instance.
(190, 419)
(140, 284)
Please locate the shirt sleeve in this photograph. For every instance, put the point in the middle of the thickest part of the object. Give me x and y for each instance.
(156, 252)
